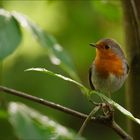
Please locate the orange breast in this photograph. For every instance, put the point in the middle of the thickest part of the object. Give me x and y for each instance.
(108, 63)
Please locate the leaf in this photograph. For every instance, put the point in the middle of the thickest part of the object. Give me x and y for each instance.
(117, 106)
(55, 51)
(29, 125)
(89, 93)
(10, 34)
(82, 87)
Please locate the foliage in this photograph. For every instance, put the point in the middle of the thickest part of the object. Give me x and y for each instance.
(10, 37)
(29, 124)
(55, 51)
(90, 93)
(8, 41)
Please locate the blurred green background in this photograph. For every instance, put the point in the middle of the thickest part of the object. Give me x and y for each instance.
(75, 24)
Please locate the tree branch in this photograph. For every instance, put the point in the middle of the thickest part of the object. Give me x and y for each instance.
(101, 120)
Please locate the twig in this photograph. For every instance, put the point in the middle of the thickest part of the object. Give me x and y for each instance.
(95, 109)
(120, 131)
(100, 120)
(43, 102)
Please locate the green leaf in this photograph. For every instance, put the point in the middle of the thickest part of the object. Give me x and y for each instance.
(117, 106)
(82, 87)
(55, 51)
(29, 125)
(89, 93)
(10, 34)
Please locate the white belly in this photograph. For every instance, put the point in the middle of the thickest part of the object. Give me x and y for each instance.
(109, 84)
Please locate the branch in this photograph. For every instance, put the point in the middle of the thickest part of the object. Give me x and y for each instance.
(120, 131)
(88, 118)
(100, 120)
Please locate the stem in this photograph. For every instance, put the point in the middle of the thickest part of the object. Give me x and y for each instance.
(120, 131)
(99, 120)
(95, 109)
(43, 102)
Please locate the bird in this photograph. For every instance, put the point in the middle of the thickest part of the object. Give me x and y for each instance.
(110, 68)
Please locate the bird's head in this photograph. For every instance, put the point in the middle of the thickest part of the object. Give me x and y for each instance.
(107, 48)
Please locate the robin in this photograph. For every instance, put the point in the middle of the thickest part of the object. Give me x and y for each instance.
(109, 70)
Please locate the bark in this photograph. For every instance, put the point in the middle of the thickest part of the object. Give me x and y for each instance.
(132, 31)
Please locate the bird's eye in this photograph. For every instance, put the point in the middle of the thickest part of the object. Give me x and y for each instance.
(107, 47)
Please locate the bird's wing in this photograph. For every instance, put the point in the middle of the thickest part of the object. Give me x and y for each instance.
(90, 76)
(127, 67)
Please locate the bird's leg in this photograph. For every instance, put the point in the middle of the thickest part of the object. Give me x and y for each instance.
(104, 106)
(109, 88)
(102, 99)
(109, 94)
(107, 109)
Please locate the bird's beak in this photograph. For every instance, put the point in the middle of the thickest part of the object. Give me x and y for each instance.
(93, 45)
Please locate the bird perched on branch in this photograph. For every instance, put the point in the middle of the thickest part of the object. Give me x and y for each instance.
(109, 69)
